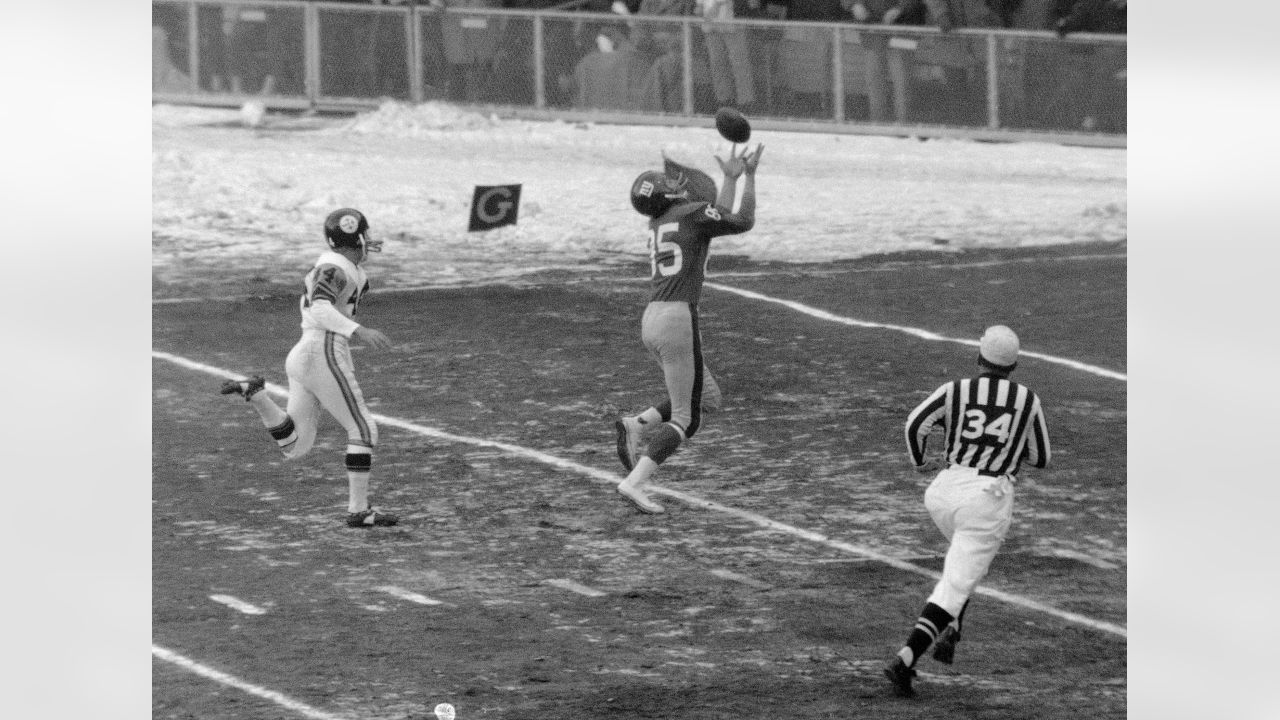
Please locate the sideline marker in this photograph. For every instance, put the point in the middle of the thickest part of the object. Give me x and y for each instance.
(493, 206)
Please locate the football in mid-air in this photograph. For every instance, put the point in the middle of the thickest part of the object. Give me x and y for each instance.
(733, 125)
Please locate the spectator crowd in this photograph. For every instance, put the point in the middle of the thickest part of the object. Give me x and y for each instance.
(633, 60)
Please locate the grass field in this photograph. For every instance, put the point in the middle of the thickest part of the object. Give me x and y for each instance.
(794, 557)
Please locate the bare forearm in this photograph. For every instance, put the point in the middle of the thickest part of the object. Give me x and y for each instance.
(748, 209)
(728, 193)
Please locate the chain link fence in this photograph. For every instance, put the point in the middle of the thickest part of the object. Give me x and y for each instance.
(833, 76)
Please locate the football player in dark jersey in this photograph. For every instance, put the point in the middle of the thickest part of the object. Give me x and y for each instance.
(681, 225)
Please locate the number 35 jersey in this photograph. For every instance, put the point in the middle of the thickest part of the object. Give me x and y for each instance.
(991, 424)
(679, 248)
(333, 291)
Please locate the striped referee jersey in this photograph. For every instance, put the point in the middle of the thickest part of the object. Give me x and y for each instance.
(990, 423)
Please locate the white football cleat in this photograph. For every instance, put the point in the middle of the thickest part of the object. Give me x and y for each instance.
(642, 502)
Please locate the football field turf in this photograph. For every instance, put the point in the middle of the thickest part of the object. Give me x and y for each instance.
(795, 554)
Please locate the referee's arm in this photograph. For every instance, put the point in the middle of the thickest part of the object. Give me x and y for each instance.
(921, 421)
(1038, 451)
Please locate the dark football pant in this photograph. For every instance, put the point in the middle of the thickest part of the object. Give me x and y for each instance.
(669, 330)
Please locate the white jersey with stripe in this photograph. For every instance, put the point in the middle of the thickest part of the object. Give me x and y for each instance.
(990, 423)
(333, 291)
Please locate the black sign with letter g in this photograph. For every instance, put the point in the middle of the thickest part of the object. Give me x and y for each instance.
(494, 206)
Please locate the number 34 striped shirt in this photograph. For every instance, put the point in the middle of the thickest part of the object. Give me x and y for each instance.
(990, 423)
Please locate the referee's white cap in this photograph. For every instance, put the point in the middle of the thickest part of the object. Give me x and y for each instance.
(999, 348)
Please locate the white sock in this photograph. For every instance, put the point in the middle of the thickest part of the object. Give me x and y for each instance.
(358, 491)
(640, 474)
(650, 416)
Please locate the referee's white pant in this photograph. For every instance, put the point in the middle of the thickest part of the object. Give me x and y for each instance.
(974, 512)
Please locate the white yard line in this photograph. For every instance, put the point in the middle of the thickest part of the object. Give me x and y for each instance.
(740, 578)
(614, 479)
(408, 595)
(236, 603)
(231, 681)
(1086, 559)
(575, 587)
(915, 332)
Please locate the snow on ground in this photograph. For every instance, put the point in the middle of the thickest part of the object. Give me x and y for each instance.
(256, 197)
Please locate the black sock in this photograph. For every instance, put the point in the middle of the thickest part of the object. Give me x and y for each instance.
(931, 622)
(663, 443)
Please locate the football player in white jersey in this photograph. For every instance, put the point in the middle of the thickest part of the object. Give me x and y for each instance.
(320, 369)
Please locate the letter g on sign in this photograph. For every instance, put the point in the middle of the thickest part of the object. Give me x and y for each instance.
(494, 206)
(502, 207)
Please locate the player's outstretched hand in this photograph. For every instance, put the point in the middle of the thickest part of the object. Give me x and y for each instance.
(752, 160)
(735, 165)
(373, 338)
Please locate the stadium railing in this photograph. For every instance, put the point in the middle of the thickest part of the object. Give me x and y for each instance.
(581, 66)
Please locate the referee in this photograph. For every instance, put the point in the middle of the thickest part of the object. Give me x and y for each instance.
(990, 424)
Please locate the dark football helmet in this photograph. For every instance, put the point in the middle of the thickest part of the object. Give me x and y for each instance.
(654, 192)
(348, 227)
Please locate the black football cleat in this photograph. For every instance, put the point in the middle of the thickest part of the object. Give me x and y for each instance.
(372, 517)
(244, 388)
(944, 650)
(900, 677)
